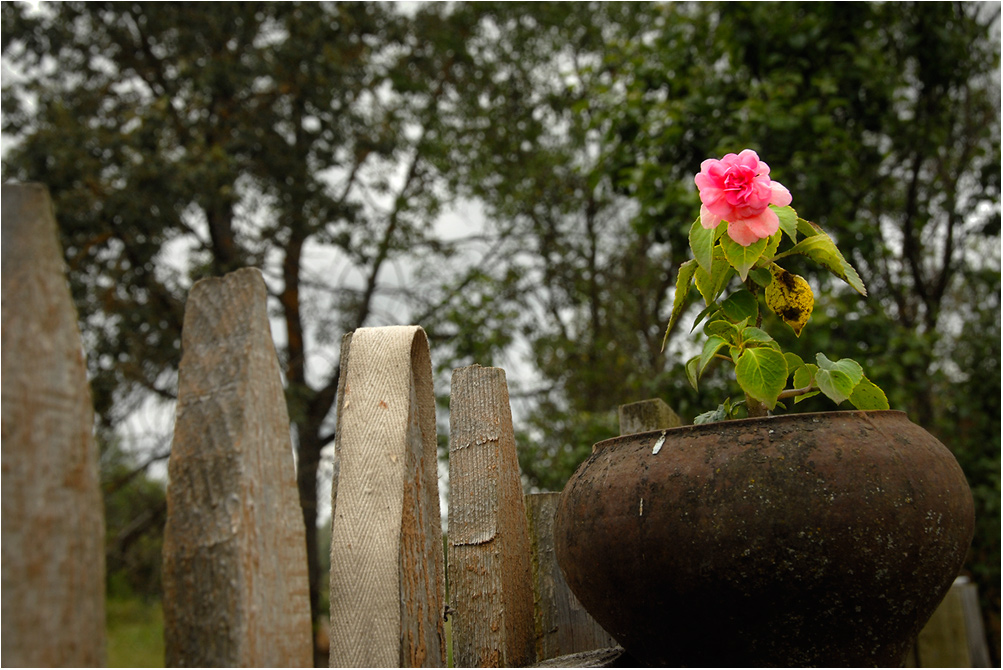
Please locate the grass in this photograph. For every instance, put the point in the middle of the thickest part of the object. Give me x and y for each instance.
(135, 631)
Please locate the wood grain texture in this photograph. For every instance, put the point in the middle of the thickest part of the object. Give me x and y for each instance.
(489, 567)
(53, 521)
(235, 571)
(387, 585)
(562, 626)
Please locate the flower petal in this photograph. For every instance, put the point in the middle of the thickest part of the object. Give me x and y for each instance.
(708, 219)
(749, 158)
(704, 180)
(764, 224)
(781, 196)
(740, 233)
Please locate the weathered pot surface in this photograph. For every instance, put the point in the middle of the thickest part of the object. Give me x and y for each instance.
(810, 539)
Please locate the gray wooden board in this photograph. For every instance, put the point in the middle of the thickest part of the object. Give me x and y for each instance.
(489, 562)
(53, 521)
(562, 625)
(235, 571)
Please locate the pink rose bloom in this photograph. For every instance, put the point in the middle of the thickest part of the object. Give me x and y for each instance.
(738, 190)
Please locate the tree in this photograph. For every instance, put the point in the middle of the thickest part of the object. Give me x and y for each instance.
(883, 120)
(578, 127)
(236, 137)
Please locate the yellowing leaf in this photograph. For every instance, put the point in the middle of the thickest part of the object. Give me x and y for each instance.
(790, 297)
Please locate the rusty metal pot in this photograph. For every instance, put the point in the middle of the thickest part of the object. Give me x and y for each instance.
(798, 540)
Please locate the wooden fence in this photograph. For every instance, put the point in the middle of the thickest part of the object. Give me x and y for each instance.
(235, 582)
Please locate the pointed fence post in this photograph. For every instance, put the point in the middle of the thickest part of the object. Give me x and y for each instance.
(562, 625)
(235, 568)
(489, 561)
(53, 521)
(387, 585)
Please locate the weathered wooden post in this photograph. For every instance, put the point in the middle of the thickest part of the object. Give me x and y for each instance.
(387, 585)
(562, 625)
(53, 522)
(489, 553)
(954, 637)
(640, 417)
(567, 636)
(235, 570)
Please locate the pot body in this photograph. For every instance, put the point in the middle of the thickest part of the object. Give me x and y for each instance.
(798, 540)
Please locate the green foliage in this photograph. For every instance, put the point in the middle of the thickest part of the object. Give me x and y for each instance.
(182, 142)
(232, 135)
(135, 511)
(761, 367)
(135, 633)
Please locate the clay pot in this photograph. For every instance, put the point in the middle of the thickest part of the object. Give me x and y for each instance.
(811, 539)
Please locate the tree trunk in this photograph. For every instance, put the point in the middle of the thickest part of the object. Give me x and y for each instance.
(308, 461)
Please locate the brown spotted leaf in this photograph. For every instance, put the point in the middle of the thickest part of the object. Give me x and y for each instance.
(790, 297)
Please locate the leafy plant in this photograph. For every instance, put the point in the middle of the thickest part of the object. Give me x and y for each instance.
(762, 229)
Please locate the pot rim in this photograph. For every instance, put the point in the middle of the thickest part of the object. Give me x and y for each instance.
(812, 417)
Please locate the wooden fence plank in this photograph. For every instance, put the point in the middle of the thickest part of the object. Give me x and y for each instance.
(561, 623)
(53, 521)
(489, 565)
(235, 570)
(387, 586)
(954, 637)
(640, 417)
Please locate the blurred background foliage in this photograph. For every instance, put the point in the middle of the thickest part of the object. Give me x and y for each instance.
(327, 143)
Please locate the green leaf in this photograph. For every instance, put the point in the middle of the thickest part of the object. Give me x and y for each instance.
(761, 276)
(710, 348)
(793, 362)
(837, 379)
(742, 258)
(805, 376)
(788, 221)
(710, 286)
(772, 244)
(821, 249)
(762, 374)
(730, 332)
(691, 371)
(808, 229)
(753, 334)
(702, 244)
(867, 395)
(709, 310)
(683, 279)
(741, 305)
(722, 412)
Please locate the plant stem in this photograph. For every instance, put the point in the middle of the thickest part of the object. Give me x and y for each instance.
(754, 289)
(791, 393)
(755, 408)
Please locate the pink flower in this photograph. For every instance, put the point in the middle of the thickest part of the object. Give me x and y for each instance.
(738, 190)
